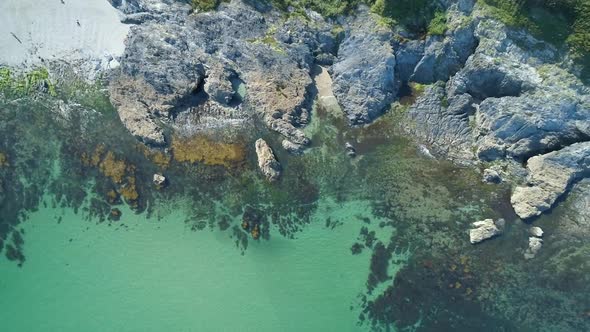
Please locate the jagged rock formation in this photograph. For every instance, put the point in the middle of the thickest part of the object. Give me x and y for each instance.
(550, 175)
(492, 93)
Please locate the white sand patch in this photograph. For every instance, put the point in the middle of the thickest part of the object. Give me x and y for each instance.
(48, 30)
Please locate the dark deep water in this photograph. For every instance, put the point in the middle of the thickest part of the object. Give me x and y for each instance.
(379, 242)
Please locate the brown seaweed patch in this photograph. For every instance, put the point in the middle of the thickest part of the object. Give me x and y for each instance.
(116, 169)
(160, 158)
(201, 149)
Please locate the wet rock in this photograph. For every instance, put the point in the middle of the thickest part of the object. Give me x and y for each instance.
(267, 161)
(535, 245)
(485, 229)
(549, 177)
(364, 82)
(159, 180)
(491, 176)
(350, 150)
(536, 231)
(292, 148)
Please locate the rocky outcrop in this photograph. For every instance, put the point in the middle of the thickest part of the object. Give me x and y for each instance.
(364, 71)
(445, 55)
(485, 229)
(267, 162)
(438, 126)
(177, 63)
(550, 175)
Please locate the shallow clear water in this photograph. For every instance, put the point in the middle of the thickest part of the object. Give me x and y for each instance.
(375, 243)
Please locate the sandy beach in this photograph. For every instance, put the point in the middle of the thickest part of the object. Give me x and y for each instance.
(54, 30)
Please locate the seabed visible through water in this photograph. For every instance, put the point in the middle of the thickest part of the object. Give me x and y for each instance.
(375, 243)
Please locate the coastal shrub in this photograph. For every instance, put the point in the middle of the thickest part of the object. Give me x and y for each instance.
(24, 84)
(205, 5)
(438, 25)
(415, 15)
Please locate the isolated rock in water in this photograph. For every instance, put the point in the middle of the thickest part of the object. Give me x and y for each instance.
(549, 177)
(491, 176)
(364, 80)
(267, 162)
(485, 229)
(535, 245)
(159, 179)
(536, 231)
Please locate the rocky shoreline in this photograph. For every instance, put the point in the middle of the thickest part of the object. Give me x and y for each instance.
(484, 94)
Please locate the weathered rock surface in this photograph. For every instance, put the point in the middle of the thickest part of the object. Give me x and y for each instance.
(267, 162)
(550, 175)
(177, 62)
(485, 229)
(364, 72)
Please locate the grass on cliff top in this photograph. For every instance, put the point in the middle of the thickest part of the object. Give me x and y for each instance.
(560, 22)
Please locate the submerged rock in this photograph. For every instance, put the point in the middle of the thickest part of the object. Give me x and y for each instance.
(535, 245)
(350, 150)
(485, 229)
(267, 162)
(491, 176)
(536, 231)
(549, 177)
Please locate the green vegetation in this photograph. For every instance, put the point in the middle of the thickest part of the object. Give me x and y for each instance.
(415, 15)
(25, 84)
(438, 25)
(205, 5)
(560, 22)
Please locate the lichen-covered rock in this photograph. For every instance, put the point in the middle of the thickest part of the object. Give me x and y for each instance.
(267, 162)
(364, 72)
(549, 177)
(485, 229)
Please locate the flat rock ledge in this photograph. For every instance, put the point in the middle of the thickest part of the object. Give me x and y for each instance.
(549, 177)
(485, 229)
(267, 162)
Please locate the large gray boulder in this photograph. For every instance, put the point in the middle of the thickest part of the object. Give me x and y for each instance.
(550, 175)
(364, 72)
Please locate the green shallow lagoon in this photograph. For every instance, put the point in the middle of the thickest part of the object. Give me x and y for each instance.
(145, 275)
